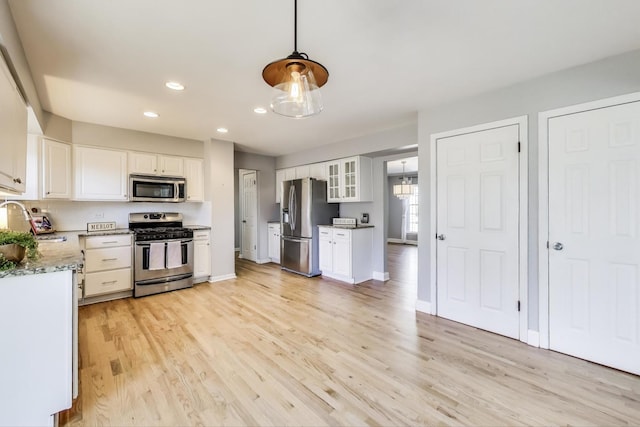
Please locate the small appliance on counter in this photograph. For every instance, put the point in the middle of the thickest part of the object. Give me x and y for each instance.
(41, 222)
(345, 222)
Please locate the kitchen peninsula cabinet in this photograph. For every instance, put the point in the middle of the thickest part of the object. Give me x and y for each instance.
(345, 254)
(273, 241)
(56, 169)
(100, 174)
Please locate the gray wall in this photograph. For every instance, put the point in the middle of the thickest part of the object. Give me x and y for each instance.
(267, 207)
(610, 77)
(394, 217)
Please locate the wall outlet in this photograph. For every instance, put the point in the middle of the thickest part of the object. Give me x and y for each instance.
(98, 215)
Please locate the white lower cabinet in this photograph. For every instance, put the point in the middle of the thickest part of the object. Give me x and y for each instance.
(345, 254)
(201, 256)
(273, 240)
(107, 267)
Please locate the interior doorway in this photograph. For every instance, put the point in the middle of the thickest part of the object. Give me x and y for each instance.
(248, 205)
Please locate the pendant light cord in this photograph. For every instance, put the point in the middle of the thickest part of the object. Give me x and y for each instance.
(295, 25)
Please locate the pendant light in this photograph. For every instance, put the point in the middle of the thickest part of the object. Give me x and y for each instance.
(296, 81)
(404, 189)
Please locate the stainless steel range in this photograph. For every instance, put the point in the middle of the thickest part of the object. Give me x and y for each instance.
(163, 255)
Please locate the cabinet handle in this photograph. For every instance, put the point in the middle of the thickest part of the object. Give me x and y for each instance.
(109, 259)
(109, 242)
(109, 282)
(17, 180)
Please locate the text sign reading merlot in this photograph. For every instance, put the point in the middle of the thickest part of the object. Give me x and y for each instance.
(101, 226)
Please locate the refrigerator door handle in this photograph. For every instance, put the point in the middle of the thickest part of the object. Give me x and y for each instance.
(292, 207)
(293, 239)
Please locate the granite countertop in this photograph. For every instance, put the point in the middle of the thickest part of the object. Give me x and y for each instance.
(273, 222)
(101, 233)
(55, 255)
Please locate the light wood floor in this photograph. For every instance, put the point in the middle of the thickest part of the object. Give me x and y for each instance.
(274, 348)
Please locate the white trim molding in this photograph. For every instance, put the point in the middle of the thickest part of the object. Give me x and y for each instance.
(402, 242)
(222, 277)
(543, 198)
(381, 276)
(423, 306)
(523, 134)
(533, 338)
(263, 260)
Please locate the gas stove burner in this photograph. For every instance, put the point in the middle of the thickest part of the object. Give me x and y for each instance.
(149, 226)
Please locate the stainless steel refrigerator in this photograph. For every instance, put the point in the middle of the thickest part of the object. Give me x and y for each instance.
(303, 207)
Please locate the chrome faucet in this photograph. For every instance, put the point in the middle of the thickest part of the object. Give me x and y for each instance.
(25, 211)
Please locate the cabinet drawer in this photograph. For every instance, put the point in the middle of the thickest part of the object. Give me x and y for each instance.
(325, 233)
(107, 258)
(108, 241)
(200, 235)
(107, 281)
(341, 235)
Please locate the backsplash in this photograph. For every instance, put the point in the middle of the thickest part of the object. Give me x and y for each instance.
(67, 215)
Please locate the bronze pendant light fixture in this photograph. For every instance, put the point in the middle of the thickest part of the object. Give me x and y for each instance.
(296, 81)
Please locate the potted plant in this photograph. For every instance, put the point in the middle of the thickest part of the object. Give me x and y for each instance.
(14, 245)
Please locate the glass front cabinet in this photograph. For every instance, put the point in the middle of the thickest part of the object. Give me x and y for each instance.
(349, 180)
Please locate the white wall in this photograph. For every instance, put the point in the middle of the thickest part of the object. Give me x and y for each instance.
(219, 189)
(267, 207)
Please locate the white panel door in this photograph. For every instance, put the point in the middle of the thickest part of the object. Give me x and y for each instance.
(249, 216)
(477, 225)
(594, 254)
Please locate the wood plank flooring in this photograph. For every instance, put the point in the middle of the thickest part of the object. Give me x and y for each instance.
(272, 348)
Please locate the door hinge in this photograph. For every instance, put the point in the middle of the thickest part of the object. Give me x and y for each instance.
(519, 146)
(518, 305)
(547, 244)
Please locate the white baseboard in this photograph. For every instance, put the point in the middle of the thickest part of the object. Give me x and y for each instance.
(423, 306)
(222, 277)
(382, 276)
(237, 249)
(402, 242)
(263, 261)
(533, 338)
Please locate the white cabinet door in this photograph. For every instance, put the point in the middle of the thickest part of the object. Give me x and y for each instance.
(194, 174)
(302, 171)
(171, 166)
(100, 174)
(279, 178)
(274, 242)
(143, 163)
(56, 170)
(13, 122)
(342, 252)
(334, 182)
(318, 171)
(325, 250)
(289, 174)
(201, 254)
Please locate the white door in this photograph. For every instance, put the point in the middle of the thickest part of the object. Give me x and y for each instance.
(249, 214)
(342, 252)
(477, 185)
(594, 255)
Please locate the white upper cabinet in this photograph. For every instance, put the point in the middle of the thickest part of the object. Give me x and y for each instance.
(349, 180)
(100, 174)
(155, 164)
(302, 171)
(279, 179)
(56, 170)
(194, 174)
(170, 165)
(13, 134)
(318, 171)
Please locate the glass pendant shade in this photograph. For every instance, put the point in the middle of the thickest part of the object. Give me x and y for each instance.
(297, 93)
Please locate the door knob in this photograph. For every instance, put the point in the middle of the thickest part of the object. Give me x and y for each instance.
(558, 246)
(440, 236)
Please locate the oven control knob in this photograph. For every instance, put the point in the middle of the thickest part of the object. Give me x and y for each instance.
(146, 216)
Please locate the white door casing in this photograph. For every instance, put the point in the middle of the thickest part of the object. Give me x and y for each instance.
(590, 292)
(248, 214)
(479, 206)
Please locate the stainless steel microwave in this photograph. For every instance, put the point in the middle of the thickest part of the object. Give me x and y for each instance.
(149, 188)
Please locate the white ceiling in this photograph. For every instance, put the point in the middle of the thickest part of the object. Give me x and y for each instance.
(106, 61)
(410, 166)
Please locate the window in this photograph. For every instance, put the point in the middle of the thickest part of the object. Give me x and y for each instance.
(413, 211)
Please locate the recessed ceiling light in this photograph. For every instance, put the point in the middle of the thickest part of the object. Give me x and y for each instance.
(151, 114)
(174, 85)
(222, 130)
(260, 110)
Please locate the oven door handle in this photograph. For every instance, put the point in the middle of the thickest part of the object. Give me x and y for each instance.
(148, 243)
